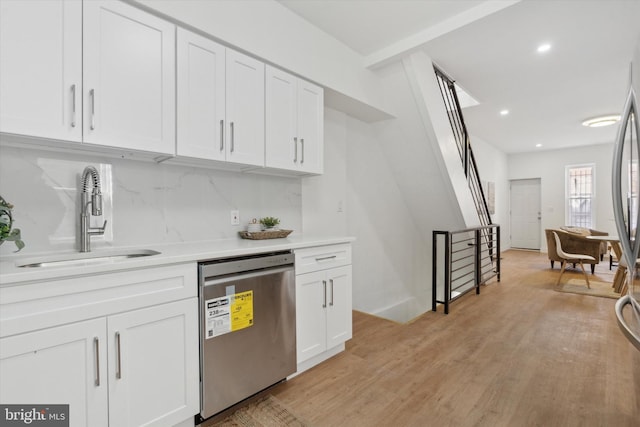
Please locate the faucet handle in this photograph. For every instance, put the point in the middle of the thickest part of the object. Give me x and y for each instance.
(98, 230)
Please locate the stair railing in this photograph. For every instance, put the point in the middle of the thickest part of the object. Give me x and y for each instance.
(462, 261)
(456, 120)
(461, 136)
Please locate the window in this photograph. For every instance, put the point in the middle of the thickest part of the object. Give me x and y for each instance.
(580, 195)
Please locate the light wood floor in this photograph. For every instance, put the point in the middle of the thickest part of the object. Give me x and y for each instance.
(519, 354)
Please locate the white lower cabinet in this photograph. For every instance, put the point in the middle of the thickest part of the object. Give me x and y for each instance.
(62, 365)
(153, 365)
(129, 368)
(323, 302)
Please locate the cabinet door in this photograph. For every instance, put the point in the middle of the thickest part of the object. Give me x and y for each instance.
(154, 365)
(311, 126)
(245, 109)
(281, 113)
(201, 97)
(41, 68)
(339, 318)
(62, 365)
(311, 299)
(129, 78)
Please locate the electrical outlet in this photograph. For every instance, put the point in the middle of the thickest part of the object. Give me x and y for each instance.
(235, 217)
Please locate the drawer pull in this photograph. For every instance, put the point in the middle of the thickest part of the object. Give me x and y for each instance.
(221, 135)
(324, 286)
(118, 357)
(96, 344)
(233, 139)
(324, 258)
(73, 106)
(331, 303)
(92, 95)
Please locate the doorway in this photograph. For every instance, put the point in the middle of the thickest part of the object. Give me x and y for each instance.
(525, 213)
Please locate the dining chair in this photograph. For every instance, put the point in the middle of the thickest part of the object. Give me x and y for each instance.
(572, 258)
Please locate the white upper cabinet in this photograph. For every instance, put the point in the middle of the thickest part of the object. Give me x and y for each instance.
(311, 127)
(201, 97)
(129, 78)
(220, 102)
(294, 123)
(41, 68)
(245, 109)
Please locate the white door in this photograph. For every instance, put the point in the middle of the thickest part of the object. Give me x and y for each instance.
(525, 214)
(201, 97)
(129, 78)
(154, 365)
(281, 120)
(311, 126)
(245, 109)
(61, 365)
(41, 68)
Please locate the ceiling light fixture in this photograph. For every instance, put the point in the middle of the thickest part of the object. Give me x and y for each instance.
(504, 112)
(538, 145)
(544, 48)
(597, 122)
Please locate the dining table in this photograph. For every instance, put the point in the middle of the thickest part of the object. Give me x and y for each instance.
(619, 279)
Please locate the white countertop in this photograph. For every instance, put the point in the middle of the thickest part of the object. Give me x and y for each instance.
(173, 253)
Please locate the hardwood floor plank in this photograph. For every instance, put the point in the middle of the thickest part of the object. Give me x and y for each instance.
(519, 354)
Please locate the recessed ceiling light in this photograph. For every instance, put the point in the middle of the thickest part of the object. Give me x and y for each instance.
(597, 122)
(504, 112)
(538, 145)
(544, 47)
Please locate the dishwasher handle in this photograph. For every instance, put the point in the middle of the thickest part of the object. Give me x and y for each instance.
(212, 281)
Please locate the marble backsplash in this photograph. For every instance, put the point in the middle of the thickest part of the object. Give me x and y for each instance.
(144, 202)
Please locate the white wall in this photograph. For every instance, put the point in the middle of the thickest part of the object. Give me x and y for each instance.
(549, 166)
(493, 166)
(397, 192)
(324, 198)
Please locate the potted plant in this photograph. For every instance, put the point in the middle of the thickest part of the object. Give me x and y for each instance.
(269, 222)
(7, 232)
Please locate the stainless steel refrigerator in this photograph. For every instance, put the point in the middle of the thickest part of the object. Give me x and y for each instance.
(626, 205)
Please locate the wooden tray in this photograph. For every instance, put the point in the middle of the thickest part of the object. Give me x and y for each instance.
(267, 234)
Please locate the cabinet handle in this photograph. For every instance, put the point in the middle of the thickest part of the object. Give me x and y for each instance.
(331, 303)
(73, 105)
(295, 151)
(221, 135)
(232, 138)
(92, 95)
(324, 286)
(118, 357)
(302, 146)
(324, 258)
(96, 348)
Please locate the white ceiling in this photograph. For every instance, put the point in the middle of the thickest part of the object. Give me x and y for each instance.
(492, 55)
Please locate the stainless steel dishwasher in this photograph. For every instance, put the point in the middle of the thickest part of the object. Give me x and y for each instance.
(247, 327)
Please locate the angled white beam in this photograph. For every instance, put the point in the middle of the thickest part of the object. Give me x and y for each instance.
(408, 44)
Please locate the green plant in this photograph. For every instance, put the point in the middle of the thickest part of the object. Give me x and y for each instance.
(6, 224)
(269, 221)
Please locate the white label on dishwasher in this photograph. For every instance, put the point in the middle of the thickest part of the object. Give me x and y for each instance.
(229, 313)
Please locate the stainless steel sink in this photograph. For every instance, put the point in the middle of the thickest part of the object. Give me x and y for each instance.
(85, 258)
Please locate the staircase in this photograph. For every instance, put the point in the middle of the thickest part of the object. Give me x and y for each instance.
(456, 120)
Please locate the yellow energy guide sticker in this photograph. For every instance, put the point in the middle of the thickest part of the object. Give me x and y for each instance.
(242, 311)
(228, 313)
